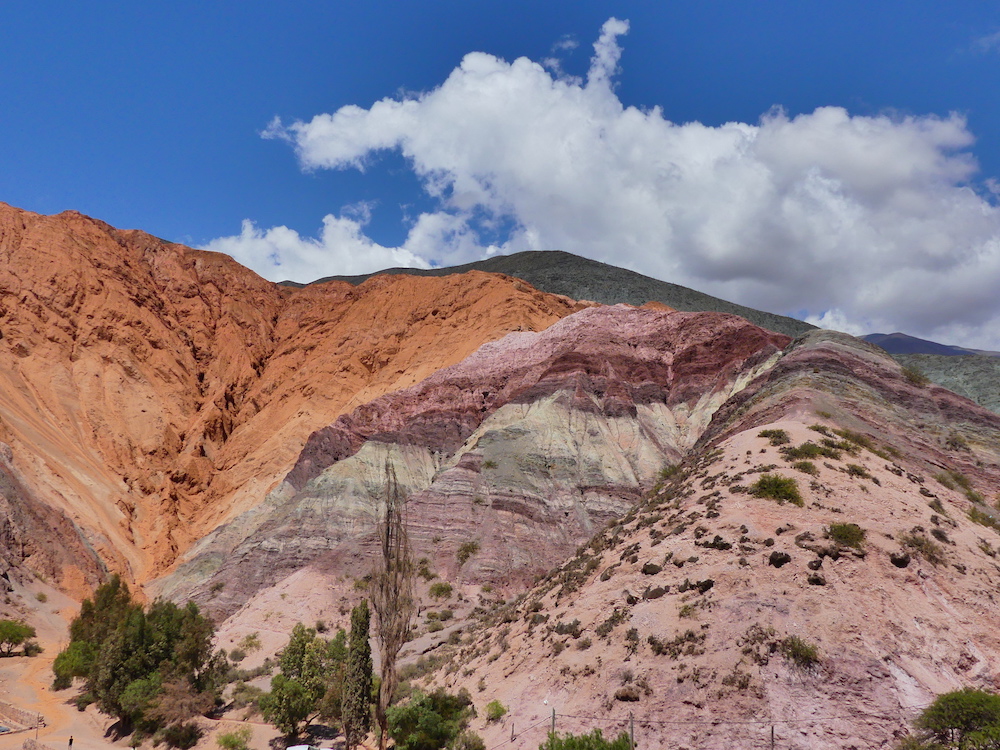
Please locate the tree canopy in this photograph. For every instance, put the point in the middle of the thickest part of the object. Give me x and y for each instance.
(150, 668)
(966, 719)
(14, 633)
(310, 682)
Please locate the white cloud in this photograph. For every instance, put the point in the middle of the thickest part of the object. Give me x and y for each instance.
(852, 220)
(280, 253)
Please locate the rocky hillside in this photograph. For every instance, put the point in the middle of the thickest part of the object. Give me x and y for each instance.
(824, 562)
(150, 392)
(516, 455)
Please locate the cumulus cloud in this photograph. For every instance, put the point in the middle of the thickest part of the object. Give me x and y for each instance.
(341, 248)
(854, 222)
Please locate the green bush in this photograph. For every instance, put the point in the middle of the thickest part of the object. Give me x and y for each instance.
(777, 437)
(593, 741)
(847, 534)
(777, 487)
(931, 551)
(440, 590)
(810, 450)
(236, 740)
(799, 652)
(467, 550)
(806, 467)
(430, 721)
(495, 710)
(915, 376)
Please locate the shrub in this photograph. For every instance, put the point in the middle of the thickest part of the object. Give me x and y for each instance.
(777, 487)
(854, 470)
(915, 376)
(236, 740)
(593, 741)
(847, 534)
(440, 590)
(183, 736)
(777, 559)
(809, 450)
(931, 551)
(777, 437)
(467, 740)
(430, 721)
(569, 628)
(467, 550)
(806, 467)
(495, 710)
(799, 652)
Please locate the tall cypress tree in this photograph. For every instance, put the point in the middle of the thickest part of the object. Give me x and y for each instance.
(356, 707)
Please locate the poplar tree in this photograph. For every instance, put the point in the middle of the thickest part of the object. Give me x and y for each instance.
(356, 711)
(392, 596)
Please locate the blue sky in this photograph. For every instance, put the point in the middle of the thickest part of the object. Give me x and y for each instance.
(152, 116)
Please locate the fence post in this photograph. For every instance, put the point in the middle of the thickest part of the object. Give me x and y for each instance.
(631, 731)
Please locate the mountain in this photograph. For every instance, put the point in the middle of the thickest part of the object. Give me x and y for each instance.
(150, 392)
(616, 510)
(559, 272)
(523, 451)
(724, 605)
(900, 343)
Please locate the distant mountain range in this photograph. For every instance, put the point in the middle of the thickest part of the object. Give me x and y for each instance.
(900, 343)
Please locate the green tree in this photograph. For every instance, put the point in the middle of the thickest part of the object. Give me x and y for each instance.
(77, 660)
(288, 706)
(152, 669)
(429, 721)
(593, 741)
(356, 711)
(100, 617)
(302, 692)
(962, 719)
(14, 633)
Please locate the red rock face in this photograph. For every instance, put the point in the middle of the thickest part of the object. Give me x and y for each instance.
(150, 391)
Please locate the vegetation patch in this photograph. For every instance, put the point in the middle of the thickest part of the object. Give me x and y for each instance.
(928, 549)
(799, 652)
(777, 437)
(687, 643)
(467, 550)
(779, 488)
(810, 450)
(847, 534)
(806, 467)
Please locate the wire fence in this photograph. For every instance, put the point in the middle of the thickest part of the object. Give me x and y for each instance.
(634, 726)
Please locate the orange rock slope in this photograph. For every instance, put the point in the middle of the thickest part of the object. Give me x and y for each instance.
(150, 391)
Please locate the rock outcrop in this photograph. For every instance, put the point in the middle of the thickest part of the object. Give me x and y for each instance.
(149, 392)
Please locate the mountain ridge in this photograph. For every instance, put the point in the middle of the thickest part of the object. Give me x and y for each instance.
(559, 272)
